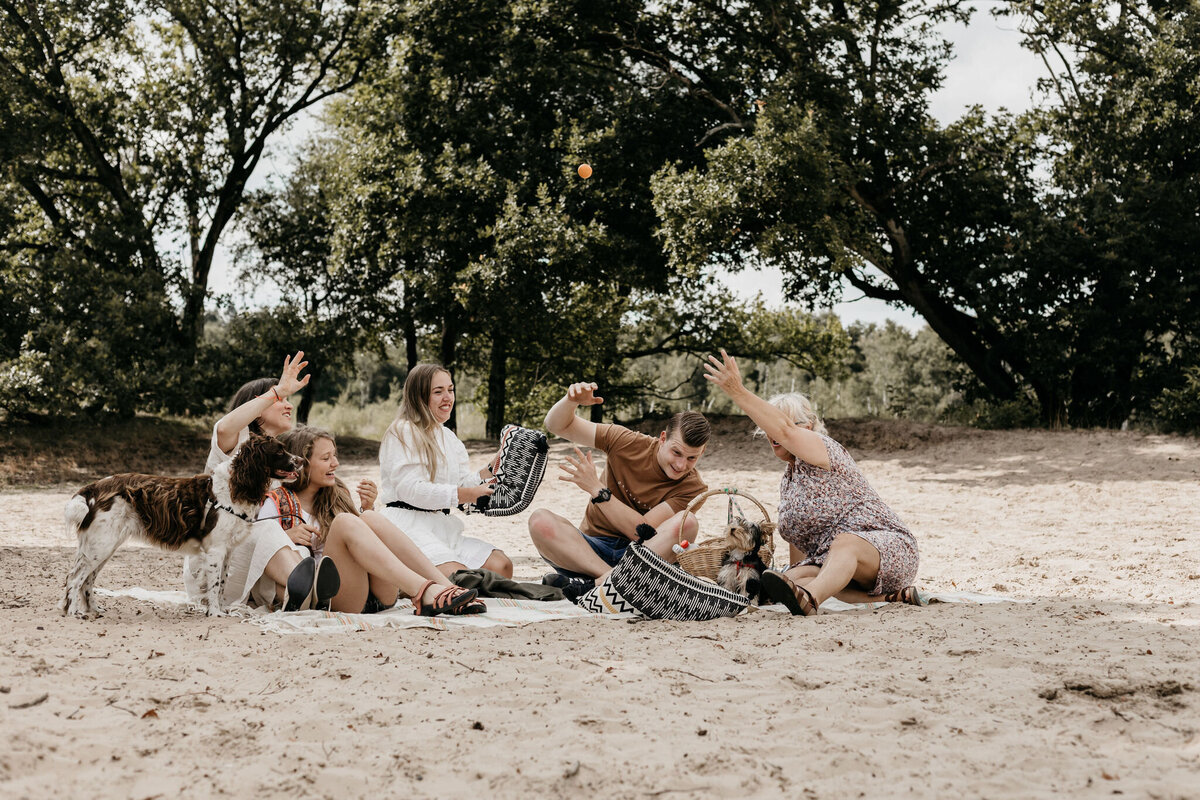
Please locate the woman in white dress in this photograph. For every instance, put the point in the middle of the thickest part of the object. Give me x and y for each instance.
(424, 474)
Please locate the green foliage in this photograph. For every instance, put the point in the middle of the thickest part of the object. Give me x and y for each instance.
(465, 189)
(1178, 409)
(1116, 236)
(127, 129)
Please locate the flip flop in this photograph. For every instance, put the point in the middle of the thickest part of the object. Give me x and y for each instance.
(298, 596)
(781, 589)
(447, 601)
(326, 584)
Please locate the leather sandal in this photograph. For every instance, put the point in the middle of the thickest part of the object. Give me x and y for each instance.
(908, 595)
(448, 601)
(781, 589)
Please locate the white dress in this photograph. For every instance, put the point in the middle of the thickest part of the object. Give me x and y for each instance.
(245, 583)
(403, 477)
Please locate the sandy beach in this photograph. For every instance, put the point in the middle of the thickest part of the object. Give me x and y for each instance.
(1087, 687)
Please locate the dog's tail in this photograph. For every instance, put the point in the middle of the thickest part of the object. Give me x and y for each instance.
(75, 512)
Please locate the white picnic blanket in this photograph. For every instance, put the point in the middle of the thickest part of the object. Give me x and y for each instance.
(501, 612)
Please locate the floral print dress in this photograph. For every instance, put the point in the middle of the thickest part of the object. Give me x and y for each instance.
(815, 505)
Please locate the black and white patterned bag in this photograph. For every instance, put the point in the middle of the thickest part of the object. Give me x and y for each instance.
(519, 469)
(643, 584)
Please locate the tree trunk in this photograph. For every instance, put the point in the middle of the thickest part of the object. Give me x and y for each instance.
(966, 336)
(447, 353)
(410, 343)
(310, 392)
(497, 383)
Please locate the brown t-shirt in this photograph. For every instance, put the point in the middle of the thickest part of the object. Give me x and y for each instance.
(635, 478)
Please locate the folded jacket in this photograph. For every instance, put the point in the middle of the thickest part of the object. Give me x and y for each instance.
(490, 584)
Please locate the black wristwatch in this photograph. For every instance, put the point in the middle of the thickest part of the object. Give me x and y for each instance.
(602, 496)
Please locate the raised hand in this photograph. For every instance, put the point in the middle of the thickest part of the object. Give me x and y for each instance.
(581, 471)
(724, 373)
(290, 381)
(584, 394)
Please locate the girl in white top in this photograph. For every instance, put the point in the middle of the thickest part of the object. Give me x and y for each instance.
(375, 561)
(424, 474)
(258, 569)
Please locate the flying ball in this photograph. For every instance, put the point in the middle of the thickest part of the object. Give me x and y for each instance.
(585, 171)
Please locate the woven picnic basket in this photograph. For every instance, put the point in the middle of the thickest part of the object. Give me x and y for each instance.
(704, 559)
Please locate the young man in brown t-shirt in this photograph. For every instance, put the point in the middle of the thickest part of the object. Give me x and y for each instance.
(647, 480)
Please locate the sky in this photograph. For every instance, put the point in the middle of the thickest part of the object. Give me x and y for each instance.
(990, 69)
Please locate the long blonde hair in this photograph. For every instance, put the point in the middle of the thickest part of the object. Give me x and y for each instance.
(422, 425)
(330, 500)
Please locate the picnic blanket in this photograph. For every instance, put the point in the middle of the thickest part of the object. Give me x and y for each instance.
(501, 612)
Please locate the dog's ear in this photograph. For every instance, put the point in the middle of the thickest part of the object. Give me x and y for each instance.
(250, 474)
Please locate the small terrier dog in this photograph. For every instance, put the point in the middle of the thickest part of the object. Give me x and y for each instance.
(742, 568)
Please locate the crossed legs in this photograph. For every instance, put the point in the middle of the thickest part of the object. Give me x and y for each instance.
(560, 542)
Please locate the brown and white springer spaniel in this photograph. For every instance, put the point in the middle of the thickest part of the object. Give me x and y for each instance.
(206, 515)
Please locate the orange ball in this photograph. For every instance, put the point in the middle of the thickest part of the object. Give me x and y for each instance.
(585, 171)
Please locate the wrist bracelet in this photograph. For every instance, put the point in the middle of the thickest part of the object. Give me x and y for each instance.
(276, 392)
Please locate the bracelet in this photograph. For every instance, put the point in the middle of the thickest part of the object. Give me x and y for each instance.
(276, 392)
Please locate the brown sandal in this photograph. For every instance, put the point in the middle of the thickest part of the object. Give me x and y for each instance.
(908, 595)
(451, 600)
(781, 589)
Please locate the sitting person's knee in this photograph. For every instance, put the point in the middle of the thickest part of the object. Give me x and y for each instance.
(542, 525)
(499, 563)
(689, 527)
(345, 518)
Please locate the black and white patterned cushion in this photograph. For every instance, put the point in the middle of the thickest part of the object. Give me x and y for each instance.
(519, 469)
(645, 585)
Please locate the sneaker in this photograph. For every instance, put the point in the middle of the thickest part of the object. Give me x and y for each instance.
(554, 579)
(577, 587)
(572, 588)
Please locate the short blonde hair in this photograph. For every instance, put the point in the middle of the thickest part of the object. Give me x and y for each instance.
(799, 409)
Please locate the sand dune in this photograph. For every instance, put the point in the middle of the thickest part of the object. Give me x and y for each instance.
(1091, 688)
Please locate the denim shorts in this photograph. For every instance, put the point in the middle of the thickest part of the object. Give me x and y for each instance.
(608, 548)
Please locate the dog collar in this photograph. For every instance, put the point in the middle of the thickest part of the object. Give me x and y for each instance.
(229, 510)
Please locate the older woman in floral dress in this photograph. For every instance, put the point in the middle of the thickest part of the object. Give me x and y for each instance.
(844, 539)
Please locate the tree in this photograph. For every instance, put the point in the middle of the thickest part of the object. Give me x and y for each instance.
(466, 145)
(290, 242)
(1117, 232)
(132, 125)
(828, 164)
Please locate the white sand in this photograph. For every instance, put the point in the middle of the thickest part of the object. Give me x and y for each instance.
(1089, 690)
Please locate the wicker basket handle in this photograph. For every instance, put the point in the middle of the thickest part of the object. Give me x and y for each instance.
(699, 500)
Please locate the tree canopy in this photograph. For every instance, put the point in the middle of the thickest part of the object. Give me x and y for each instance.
(437, 206)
